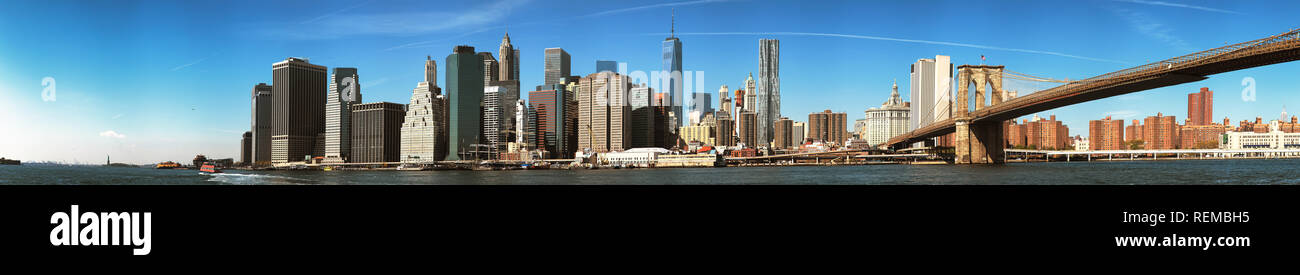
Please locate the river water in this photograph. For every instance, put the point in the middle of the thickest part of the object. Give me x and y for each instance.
(1237, 171)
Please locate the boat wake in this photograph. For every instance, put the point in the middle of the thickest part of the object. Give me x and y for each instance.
(250, 179)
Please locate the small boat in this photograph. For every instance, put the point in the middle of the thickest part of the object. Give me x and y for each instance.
(327, 168)
(209, 168)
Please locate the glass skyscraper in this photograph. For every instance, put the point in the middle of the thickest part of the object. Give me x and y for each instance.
(464, 97)
(672, 76)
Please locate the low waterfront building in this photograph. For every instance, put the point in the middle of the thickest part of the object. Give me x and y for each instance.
(1275, 138)
(639, 157)
(708, 159)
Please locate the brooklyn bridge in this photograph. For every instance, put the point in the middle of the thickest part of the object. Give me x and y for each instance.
(978, 131)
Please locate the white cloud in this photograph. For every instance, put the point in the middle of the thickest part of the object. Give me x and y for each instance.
(1147, 25)
(671, 4)
(854, 36)
(117, 116)
(1178, 5)
(177, 68)
(112, 134)
(340, 24)
(1122, 114)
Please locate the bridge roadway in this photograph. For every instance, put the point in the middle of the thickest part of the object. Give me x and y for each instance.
(1194, 67)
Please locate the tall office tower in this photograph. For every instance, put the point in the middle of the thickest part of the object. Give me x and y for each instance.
(931, 91)
(344, 92)
(491, 68)
(464, 98)
(747, 129)
(430, 71)
(641, 119)
(299, 104)
(557, 66)
(553, 112)
(828, 127)
(261, 124)
(672, 71)
(509, 60)
(665, 134)
(606, 66)
(521, 120)
(245, 149)
(509, 94)
(700, 104)
(797, 132)
(1106, 134)
(424, 129)
(494, 118)
(724, 101)
(1200, 107)
(751, 93)
(377, 132)
(726, 130)
(769, 87)
(783, 129)
(603, 112)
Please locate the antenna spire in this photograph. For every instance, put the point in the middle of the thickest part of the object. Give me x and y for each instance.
(672, 29)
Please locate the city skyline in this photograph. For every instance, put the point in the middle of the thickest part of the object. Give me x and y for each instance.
(200, 89)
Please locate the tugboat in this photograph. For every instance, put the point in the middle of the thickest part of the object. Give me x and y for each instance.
(209, 168)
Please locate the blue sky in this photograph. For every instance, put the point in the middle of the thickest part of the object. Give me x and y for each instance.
(147, 81)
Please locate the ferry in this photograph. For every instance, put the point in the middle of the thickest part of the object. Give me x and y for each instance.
(167, 165)
(209, 168)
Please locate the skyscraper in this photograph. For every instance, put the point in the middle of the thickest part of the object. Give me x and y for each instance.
(377, 132)
(747, 128)
(603, 112)
(783, 133)
(344, 92)
(769, 87)
(701, 104)
(640, 120)
(424, 128)
(491, 68)
(1200, 107)
(751, 94)
(724, 100)
(931, 91)
(509, 60)
(606, 66)
(262, 125)
(299, 89)
(494, 117)
(555, 116)
(464, 99)
(557, 66)
(245, 149)
(797, 132)
(672, 72)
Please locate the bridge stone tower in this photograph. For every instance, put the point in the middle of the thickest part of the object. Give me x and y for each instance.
(980, 142)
